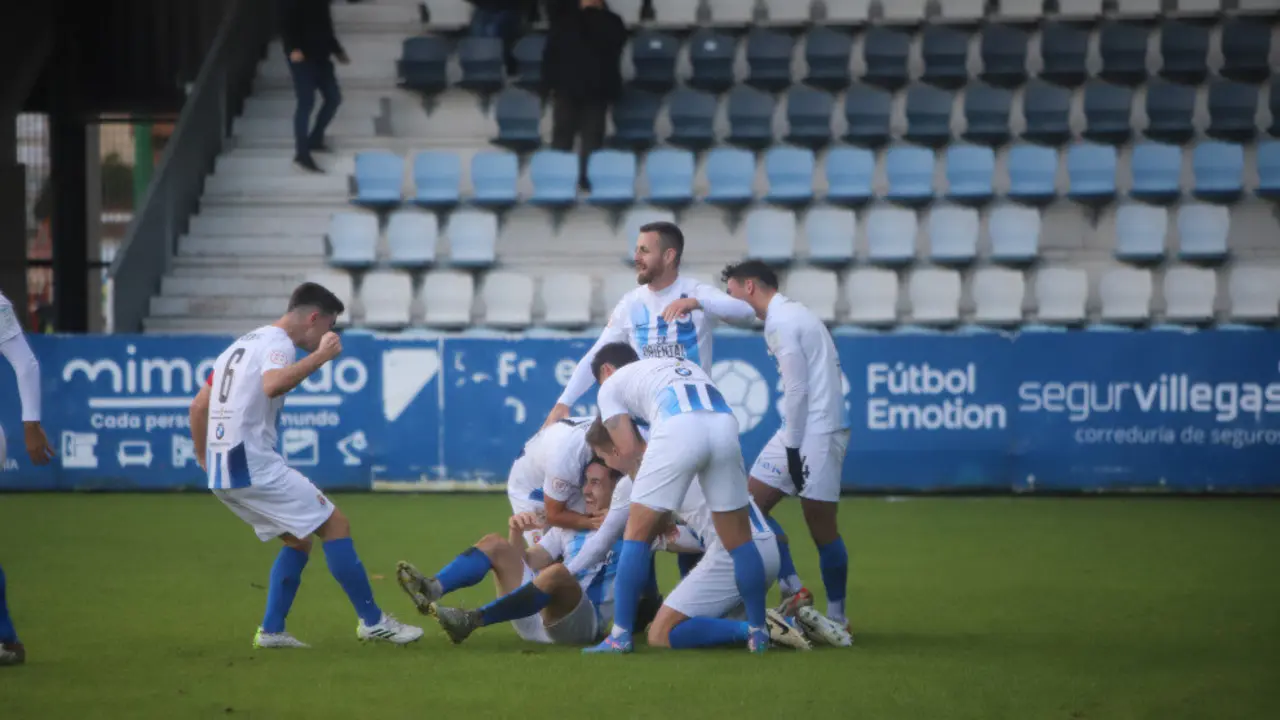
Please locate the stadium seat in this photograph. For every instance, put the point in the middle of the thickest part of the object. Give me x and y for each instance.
(379, 179)
(1033, 171)
(1170, 108)
(1047, 109)
(867, 111)
(1064, 47)
(830, 234)
(1157, 172)
(635, 115)
(1091, 173)
(1106, 112)
(928, 115)
(731, 174)
(953, 234)
(1015, 234)
(1218, 169)
(891, 235)
(653, 55)
(986, 114)
(508, 300)
(750, 118)
(872, 297)
(494, 175)
(848, 12)
(908, 12)
(711, 55)
(693, 116)
(769, 60)
(1268, 158)
(472, 236)
(998, 295)
(809, 117)
(566, 300)
(885, 52)
(338, 282)
(528, 53)
(670, 173)
(411, 239)
(1061, 295)
(818, 290)
(437, 175)
(1232, 107)
(446, 298)
(1125, 295)
(386, 297)
(353, 239)
(827, 53)
(675, 13)
(789, 171)
(731, 13)
(970, 170)
(1246, 50)
(934, 296)
(945, 51)
(962, 11)
(1084, 10)
(519, 115)
(613, 287)
(910, 173)
(793, 13)
(555, 177)
(1004, 55)
(1254, 292)
(1145, 9)
(1123, 46)
(424, 64)
(636, 218)
(483, 67)
(1140, 232)
(1184, 47)
(850, 175)
(1202, 231)
(612, 175)
(771, 235)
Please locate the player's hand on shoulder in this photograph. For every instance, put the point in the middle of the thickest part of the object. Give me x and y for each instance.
(37, 443)
(679, 307)
(558, 413)
(330, 345)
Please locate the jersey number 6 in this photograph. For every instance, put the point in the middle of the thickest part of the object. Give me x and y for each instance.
(224, 390)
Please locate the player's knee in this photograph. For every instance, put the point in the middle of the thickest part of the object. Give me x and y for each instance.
(660, 633)
(558, 575)
(336, 527)
(493, 545)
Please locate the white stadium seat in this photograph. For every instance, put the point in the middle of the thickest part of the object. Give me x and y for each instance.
(566, 300)
(386, 297)
(447, 299)
(935, 296)
(508, 300)
(872, 296)
(1189, 294)
(1254, 293)
(998, 294)
(1126, 295)
(817, 290)
(1062, 295)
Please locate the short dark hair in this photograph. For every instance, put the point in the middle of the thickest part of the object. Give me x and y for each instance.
(598, 435)
(315, 295)
(750, 270)
(669, 236)
(614, 475)
(616, 354)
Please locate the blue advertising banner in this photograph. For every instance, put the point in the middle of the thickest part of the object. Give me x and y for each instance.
(1081, 411)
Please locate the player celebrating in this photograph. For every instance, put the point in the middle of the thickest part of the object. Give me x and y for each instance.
(805, 457)
(14, 347)
(546, 479)
(233, 424)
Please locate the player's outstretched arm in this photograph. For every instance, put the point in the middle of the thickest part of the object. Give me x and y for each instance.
(198, 414)
(598, 544)
(280, 381)
(582, 380)
(18, 352)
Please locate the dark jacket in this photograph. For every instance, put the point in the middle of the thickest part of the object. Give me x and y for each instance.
(583, 55)
(307, 25)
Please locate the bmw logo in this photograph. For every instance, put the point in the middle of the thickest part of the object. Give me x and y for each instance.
(220, 431)
(683, 372)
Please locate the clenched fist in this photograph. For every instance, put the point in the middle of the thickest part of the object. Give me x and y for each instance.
(330, 346)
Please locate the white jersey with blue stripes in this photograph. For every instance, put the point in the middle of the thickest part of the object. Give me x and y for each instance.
(597, 580)
(650, 390)
(241, 445)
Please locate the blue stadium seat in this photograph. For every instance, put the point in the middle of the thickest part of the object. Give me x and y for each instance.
(970, 169)
(519, 115)
(711, 55)
(493, 178)
(1033, 171)
(1170, 107)
(1124, 53)
(1157, 172)
(1064, 48)
(424, 64)
(554, 174)
(483, 67)
(473, 235)
(1232, 107)
(750, 117)
(1202, 232)
(1015, 234)
(769, 60)
(1140, 232)
(809, 117)
(353, 239)
(634, 117)
(653, 55)
(731, 173)
(928, 115)
(886, 53)
(1047, 109)
(850, 175)
(945, 50)
(867, 112)
(1218, 168)
(891, 235)
(986, 112)
(1106, 112)
(1004, 55)
(1246, 49)
(910, 173)
(789, 171)
(827, 53)
(379, 179)
(953, 234)
(436, 177)
(771, 235)
(1184, 48)
(693, 117)
(1091, 173)
(411, 239)
(830, 234)
(612, 175)
(1269, 170)
(670, 174)
(528, 53)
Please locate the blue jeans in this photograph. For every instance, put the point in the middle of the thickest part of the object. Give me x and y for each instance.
(310, 77)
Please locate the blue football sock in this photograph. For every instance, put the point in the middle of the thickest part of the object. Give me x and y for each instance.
(748, 573)
(7, 633)
(464, 571)
(349, 572)
(697, 632)
(788, 579)
(633, 573)
(833, 559)
(286, 576)
(524, 601)
(686, 562)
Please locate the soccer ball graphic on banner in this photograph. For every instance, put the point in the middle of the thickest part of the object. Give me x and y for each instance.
(745, 389)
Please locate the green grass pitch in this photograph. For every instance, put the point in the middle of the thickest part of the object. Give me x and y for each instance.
(144, 606)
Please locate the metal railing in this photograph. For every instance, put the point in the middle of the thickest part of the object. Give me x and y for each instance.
(214, 100)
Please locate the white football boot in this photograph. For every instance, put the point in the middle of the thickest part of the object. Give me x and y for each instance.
(782, 632)
(389, 629)
(820, 628)
(266, 640)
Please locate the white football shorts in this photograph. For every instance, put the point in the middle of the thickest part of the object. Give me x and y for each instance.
(696, 444)
(579, 627)
(710, 589)
(823, 455)
(290, 504)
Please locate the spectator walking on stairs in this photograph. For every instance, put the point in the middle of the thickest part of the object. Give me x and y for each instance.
(311, 46)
